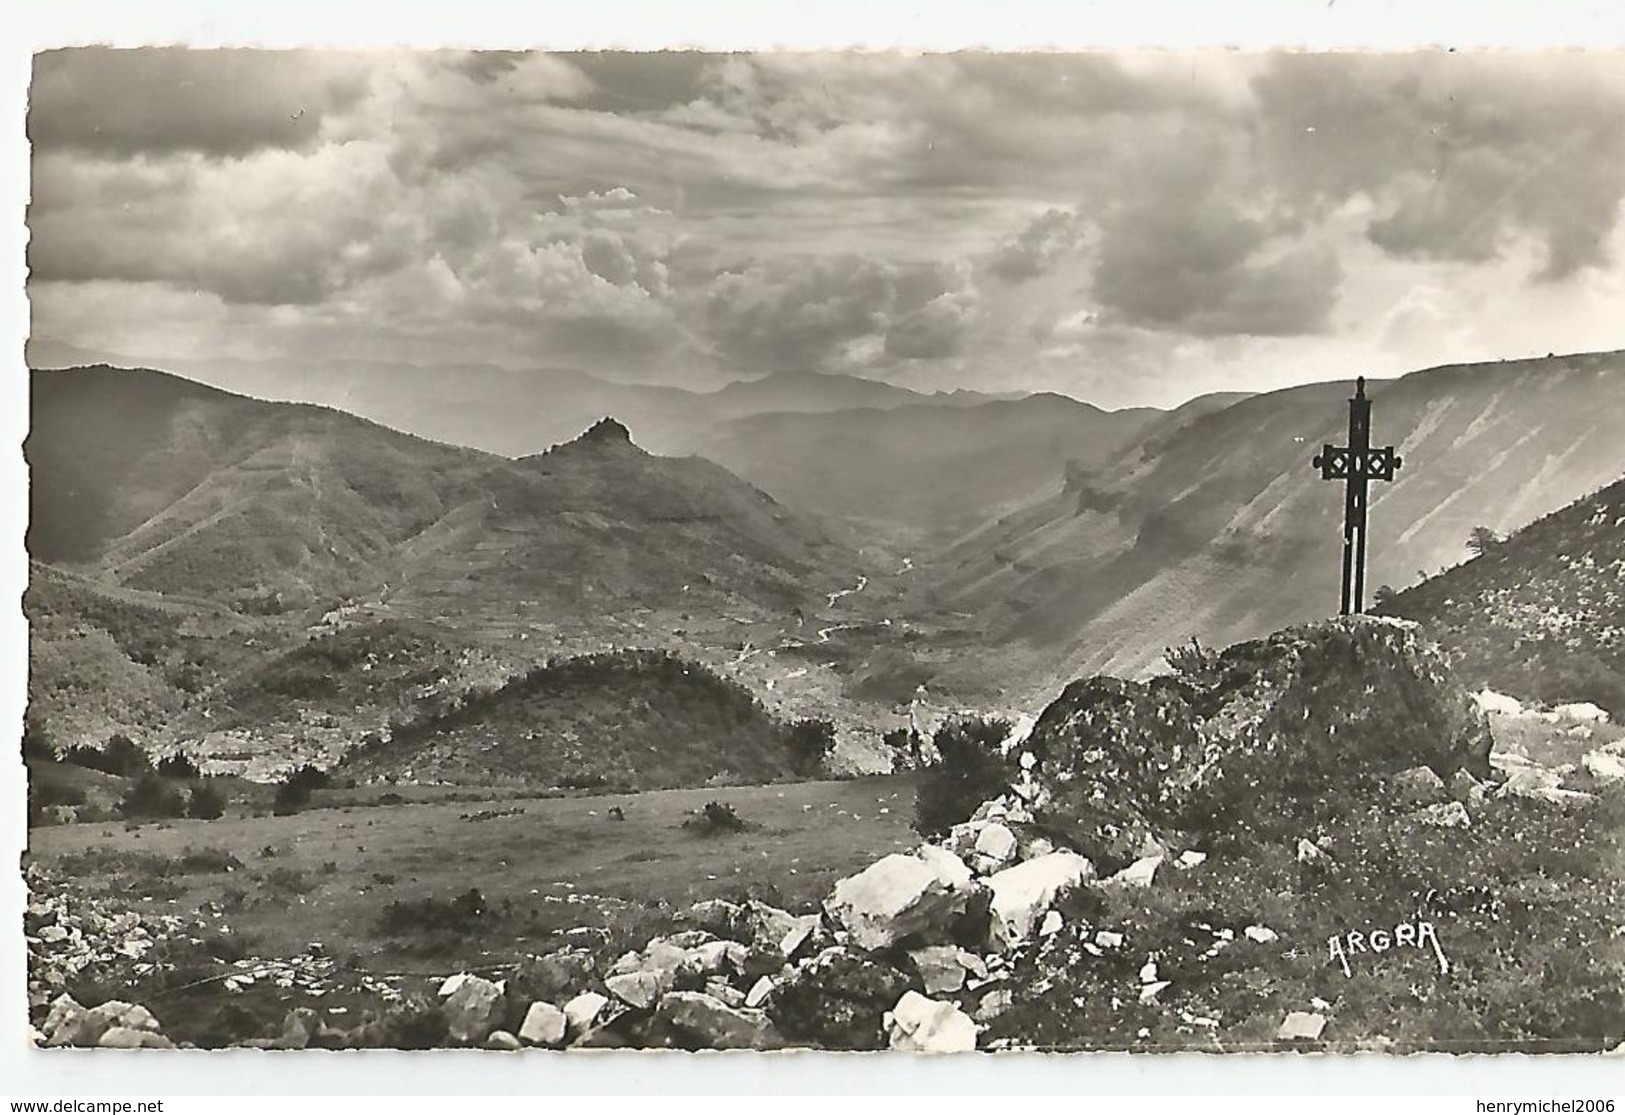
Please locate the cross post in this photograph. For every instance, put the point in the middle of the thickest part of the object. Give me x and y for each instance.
(1356, 464)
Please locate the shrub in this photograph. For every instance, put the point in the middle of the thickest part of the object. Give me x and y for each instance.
(177, 766)
(810, 742)
(904, 746)
(121, 756)
(717, 818)
(293, 792)
(150, 797)
(434, 915)
(1195, 663)
(206, 804)
(970, 771)
(36, 744)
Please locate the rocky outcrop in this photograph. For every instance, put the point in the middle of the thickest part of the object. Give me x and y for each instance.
(1266, 735)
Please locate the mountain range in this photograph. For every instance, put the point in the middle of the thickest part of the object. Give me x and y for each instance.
(209, 559)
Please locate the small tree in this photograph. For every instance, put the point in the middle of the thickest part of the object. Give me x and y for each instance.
(206, 804)
(291, 797)
(1482, 540)
(811, 742)
(971, 770)
(1383, 596)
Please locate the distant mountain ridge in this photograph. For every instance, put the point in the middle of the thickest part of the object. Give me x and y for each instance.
(1540, 615)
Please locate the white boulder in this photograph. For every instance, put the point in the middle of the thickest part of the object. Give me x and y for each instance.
(899, 896)
(545, 1024)
(920, 1025)
(1024, 893)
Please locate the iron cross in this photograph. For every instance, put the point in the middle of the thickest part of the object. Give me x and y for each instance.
(1357, 464)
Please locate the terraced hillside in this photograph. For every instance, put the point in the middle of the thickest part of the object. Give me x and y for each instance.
(1542, 614)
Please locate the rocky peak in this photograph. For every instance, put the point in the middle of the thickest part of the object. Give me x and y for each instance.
(606, 430)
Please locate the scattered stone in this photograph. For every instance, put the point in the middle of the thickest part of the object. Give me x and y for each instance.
(921, 1025)
(1447, 815)
(1022, 894)
(473, 1010)
(1190, 859)
(995, 847)
(1150, 991)
(452, 983)
(759, 991)
(1301, 1026)
(501, 1039)
(582, 1012)
(799, 933)
(940, 969)
(1606, 768)
(64, 1020)
(717, 916)
(725, 992)
(545, 1024)
(1109, 939)
(1419, 786)
(1260, 934)
(1468, 790)
(298, 1028)
(837, 1000)
(895, 897)
(1488, 700)
(715, 1025)
(554, 976)
(1310, 852)
(1137, 875)
(128, 1037)
(716, 956)
(1537, 783)
(993, 1004)
(641, 989)
(1583, 711)
(1052, 924)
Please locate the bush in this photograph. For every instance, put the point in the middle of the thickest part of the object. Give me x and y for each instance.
(178, 766)
(717, 818)
(151, 797)
(206, 804)
(904, 746)
(810, 742)
(970, 771)
(291, 797)
(460, 915)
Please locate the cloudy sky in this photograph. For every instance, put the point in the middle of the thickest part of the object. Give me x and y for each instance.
(1127, 228)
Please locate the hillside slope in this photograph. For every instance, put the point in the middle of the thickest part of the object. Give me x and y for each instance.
(159, 483)
(1542, 614)
(632, 720)
(1223, 531)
